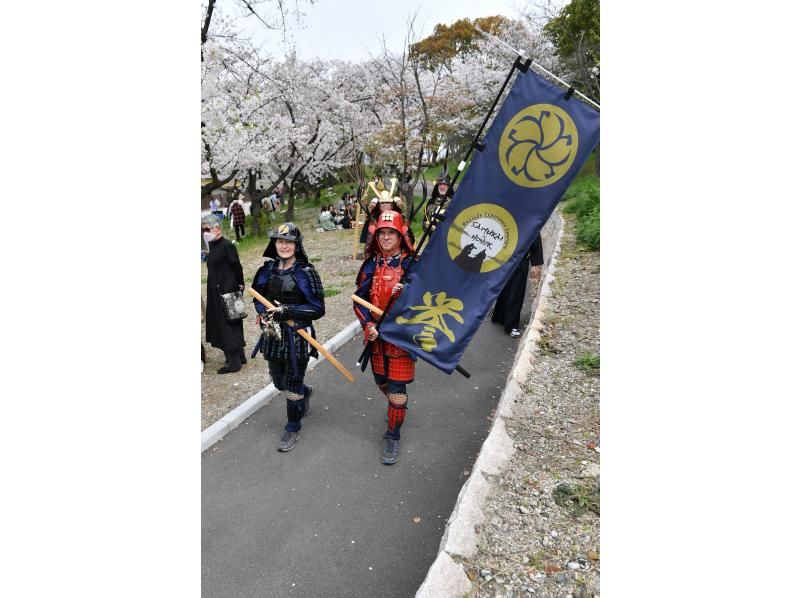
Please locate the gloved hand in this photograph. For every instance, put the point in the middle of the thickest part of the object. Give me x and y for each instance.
(279, 314)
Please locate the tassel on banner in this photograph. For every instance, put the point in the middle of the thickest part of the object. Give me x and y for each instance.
(569, 93)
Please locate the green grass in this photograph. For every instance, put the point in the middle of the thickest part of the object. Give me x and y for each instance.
(536, 560)
(416, 225)
(583, 199)
(578, 498)
(431, 173)
(588, 361)
(332, 292)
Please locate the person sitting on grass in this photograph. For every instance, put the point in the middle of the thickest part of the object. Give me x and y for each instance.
(325, 220)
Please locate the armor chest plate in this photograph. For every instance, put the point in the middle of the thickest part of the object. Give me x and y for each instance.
(283, 288)
(383, 281)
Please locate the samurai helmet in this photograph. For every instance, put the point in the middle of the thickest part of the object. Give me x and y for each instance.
(289, 232)
(386, 197)
(393, 220)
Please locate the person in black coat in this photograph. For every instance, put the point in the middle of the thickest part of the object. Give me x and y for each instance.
(442, 194)
(225, 275)
(509, 302)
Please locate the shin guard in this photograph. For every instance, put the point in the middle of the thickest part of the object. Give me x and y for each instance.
(295, 408)
(396, 414)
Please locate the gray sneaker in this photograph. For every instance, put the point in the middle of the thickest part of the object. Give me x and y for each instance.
(391, 451)
(288, 441)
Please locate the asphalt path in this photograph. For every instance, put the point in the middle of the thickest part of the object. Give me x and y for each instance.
(327, 518)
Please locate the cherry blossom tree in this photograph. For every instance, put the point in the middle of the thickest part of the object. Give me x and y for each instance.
(270, 120)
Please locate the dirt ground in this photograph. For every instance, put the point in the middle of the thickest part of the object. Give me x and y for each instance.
(331, 253)
(541, 530)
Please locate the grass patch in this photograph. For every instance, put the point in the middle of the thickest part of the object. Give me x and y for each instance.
(537, 560)
(583, 199)
(578, 498)
(332, 292)
(588, 361)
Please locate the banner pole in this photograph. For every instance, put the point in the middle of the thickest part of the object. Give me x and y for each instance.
(537, 65)
(518, 64)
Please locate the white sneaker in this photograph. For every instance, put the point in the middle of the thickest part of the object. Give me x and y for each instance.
(515, 333)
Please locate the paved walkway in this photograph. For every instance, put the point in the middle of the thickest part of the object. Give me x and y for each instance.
(327, 519)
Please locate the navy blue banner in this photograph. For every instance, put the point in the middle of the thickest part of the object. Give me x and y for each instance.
(534, 148)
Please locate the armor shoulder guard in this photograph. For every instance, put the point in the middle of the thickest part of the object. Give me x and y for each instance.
(314, 281)
(366, 270)
(263, 274)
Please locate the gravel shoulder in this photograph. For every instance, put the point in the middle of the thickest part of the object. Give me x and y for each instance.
(331, 254)
(541, 532)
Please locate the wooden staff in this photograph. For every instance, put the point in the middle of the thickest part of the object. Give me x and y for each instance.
(261, 299)
(373, 308)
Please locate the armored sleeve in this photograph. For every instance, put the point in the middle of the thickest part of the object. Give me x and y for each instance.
(260, 281)
(363, 285)
(310, 285)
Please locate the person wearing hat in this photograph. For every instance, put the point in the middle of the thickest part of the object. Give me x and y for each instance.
(441, 195)
(378, 282)
(381, 205)
(289, 281)
(225, 275)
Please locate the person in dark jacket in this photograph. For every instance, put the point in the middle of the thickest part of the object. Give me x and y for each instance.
(441, 195)
(225, 275)
(509, 302)
(289, 281)
(236, 211)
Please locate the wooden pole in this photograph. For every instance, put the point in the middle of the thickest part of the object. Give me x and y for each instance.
(373, 308)
(323, 351)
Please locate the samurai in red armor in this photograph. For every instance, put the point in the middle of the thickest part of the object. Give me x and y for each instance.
(379, 283)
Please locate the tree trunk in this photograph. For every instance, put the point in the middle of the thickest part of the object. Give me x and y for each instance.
(290, 204)
(215, 183)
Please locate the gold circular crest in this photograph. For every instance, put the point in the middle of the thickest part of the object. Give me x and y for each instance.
(482, 237)
(538, 145)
